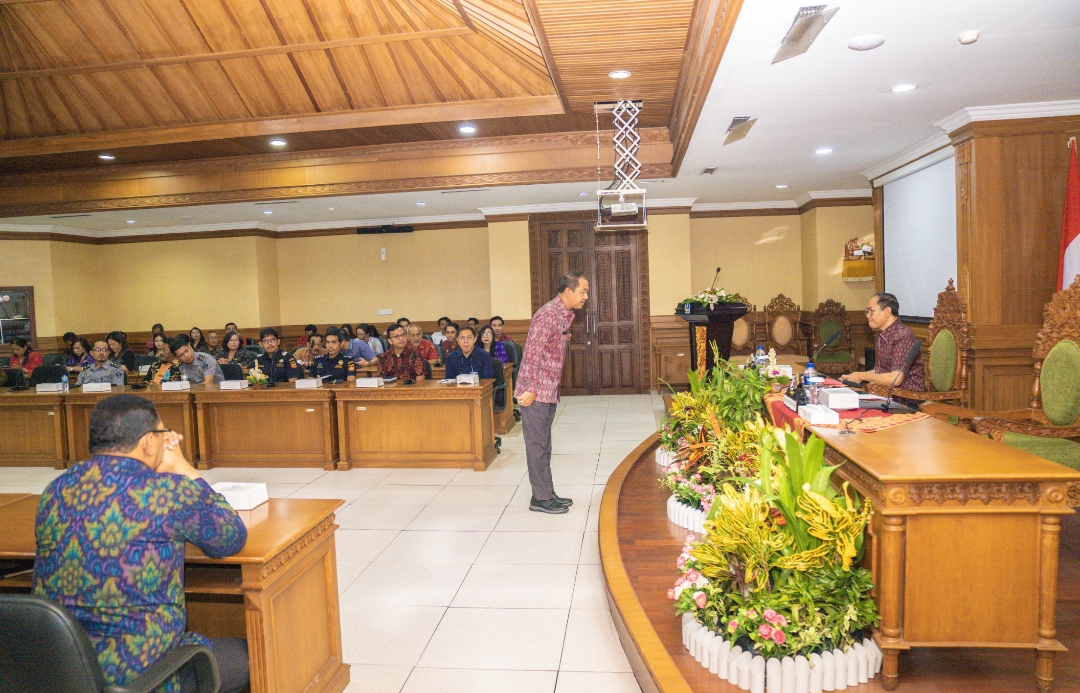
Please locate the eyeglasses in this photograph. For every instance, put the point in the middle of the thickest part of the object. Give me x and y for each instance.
(269, 340)
(160, 430)
(869, 311)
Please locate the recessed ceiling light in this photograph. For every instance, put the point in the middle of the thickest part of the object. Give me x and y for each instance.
(131, 221)
(268, 211)
(420, 203)
(823, 150)
(902, 88)
(781, 186)
(106, 157)
(583, 194)
(277, 143)
(331, 209)
(968, 37)
(867, 42)
(619, 74)
(467, 129)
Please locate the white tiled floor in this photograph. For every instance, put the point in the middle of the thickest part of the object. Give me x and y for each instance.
(450, 584)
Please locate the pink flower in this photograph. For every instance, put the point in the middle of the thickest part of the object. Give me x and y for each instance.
(778, 636)
(681, 562)
(765, 630)
(692, 575)
(700, 599)
(733, 625)
(769, 615)
(671, 593)
(780, 621)
(690, 538)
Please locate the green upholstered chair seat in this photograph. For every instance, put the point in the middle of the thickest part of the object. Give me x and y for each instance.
(834, 357)
(943, 359)
(1059, 383)
(828, 328)
(1060, 450)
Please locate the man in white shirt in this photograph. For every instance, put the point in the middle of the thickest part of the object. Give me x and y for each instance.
(439, 336)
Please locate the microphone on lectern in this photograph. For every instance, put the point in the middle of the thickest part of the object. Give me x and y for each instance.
(715, 277)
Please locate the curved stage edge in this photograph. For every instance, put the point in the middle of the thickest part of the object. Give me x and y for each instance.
(638, 549)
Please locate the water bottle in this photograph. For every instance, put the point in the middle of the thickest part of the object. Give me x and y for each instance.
(816, 383)
(761, 359)
(64, 382)
(808, 373)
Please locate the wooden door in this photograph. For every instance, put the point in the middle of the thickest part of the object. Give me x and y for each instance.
(606, 337)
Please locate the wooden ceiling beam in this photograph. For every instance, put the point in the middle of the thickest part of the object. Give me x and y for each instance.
(232, 55)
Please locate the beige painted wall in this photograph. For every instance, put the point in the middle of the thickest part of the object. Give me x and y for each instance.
(825, 232)
(268, 281)
(759, 256)
(669, 262)
(29, 263)
(79, 287)
(426, 274)
(508, 268)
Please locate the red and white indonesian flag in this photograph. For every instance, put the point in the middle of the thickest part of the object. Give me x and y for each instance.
(1069, 266)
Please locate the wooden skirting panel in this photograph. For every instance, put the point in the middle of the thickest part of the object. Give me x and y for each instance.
(1001, 378)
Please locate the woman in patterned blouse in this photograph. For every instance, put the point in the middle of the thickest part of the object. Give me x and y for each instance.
(166, 368)
(488, 343)
(232, 351)
(80, 357)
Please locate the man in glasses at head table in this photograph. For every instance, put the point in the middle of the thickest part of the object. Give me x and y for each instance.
(279, 366)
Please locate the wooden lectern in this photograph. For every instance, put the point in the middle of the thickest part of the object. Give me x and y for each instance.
(708, 326)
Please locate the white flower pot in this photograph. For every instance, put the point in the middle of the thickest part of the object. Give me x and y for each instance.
(686, 517)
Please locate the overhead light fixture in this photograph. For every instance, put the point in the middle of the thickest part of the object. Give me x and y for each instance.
(968, 37)
(781, 186)
(823, 150)
(131, 221)
(467, 129)
(708, 171)
(582, 194)
(619, 74)
(900, 88)
(738, 129)
(808, 23)
(867, 42)
(421, 203)
(331, 209)
(106, 157)
(277, 143)
(268, 211)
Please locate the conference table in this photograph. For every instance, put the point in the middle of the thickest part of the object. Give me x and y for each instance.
(34, 432)
(279, 592)
(174, 408)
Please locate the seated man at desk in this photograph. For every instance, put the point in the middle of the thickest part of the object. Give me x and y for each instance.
(279, 366)
(360, 351)
(111, 533)
(468, 359)
(426, 349)
(894, 341)
(103, 370)
(334, 366)
(198, 366)
(400, 360)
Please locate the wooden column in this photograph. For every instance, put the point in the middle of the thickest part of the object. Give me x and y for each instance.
(890, 591)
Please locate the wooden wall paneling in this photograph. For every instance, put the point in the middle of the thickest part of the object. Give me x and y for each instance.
(41, 426)
(878, 201)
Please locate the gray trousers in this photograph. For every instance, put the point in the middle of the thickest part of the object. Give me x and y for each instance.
(536, 425)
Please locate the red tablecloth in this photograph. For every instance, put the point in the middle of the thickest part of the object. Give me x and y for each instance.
(783, 417)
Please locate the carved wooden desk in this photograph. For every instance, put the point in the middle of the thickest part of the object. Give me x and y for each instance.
(265, 427)
(422, 425)
(963, 544)
(32, 429)
(174, 408)
(280, 591)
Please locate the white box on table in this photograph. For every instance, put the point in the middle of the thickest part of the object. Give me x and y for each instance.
(234, 384)
(242, 496)
(97, 387)
(818, 414)
(468, 379)
(369, 382)
(176, 385)
(308, 383)
(49, 387)
(839, 398)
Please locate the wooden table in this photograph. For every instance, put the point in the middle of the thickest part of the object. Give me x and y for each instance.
(265, 427)
(32, 429)
(963, 543)
(279, 592)
(426, 424)
(173, 406)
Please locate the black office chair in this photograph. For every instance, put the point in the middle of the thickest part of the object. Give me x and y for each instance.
(498, 401)
(255, 349)
(144, 360)
(232, 371)
(514, 351)
(427, 370)
(47, 374)
(442, 354)
(43, 649)
(53, 359)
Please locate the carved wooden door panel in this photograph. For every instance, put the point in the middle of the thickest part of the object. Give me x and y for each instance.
(611, 325)
(568, 250)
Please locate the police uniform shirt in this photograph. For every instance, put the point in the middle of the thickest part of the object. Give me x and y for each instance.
(280, 367)
(335, 369)
(108, 373)
(203, 365)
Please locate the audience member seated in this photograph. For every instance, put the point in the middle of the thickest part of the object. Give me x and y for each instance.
(361, 352)
(232, 351)
(490, 344)
(313, 349)
(157, 329)
(333, 366)
(303, 339)
(468, 359)
(401, 361)
(347, 329)
(370, 335)
(198, 342)
(437, 338)
(23, 356)
(449, 341)
(422, 346)
(278, 366)
(197, 366)
(231, 327)
(156, 342)
(213, 342)
(102, 369)
(111, 533)
(473, 323)
(497, 324)
(404, 322)
(119, 353)
(69, 340)
(80, 357)
(167, 367)
(894, 341)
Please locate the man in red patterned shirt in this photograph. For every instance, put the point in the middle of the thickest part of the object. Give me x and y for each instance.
(894, 341)
(537, 387)
(400, 361)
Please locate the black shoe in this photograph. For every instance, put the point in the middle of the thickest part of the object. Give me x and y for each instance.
(565, 502)
(548, 506)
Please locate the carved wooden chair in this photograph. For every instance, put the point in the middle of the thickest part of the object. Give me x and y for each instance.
(949, 344)
(782, 326)
(744, 336)
(830, 319)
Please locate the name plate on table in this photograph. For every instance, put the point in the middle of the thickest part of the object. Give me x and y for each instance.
(234, 384)
(242, 496)
(49, 387)
(97, 387)
(176, 385)
(839, 398)
(468, 379)
(817, 414)
(308, 383)
(369, 382)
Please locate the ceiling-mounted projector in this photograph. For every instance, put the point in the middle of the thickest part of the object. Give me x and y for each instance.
(624, 209)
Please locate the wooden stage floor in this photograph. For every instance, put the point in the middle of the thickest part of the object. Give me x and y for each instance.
(649, 545)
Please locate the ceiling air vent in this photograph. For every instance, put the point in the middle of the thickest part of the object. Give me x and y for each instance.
(739, 128)
(809, 21)
(708, 171)
(67, 216)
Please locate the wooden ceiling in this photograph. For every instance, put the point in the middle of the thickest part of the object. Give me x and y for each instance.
(156, 81)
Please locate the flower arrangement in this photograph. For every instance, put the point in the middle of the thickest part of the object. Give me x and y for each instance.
(711, 296)
(255, 375)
